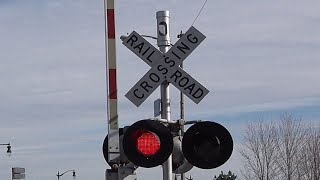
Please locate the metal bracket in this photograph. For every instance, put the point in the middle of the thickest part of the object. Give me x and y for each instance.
(122, 173)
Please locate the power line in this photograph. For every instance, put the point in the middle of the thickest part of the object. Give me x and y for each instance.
(205, 2)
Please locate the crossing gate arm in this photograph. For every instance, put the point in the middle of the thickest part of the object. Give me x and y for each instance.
(112, 101)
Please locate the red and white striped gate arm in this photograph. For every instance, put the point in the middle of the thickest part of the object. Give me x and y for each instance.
(112, 102)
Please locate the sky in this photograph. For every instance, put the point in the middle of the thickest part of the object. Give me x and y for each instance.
(259, 59)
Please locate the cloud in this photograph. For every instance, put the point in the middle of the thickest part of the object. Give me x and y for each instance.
(257, 57)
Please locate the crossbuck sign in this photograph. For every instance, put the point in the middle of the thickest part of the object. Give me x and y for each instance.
(165, 66)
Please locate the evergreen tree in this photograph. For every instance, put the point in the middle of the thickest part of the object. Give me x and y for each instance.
(229, 176)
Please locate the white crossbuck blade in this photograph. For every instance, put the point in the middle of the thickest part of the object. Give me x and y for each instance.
(165, 66)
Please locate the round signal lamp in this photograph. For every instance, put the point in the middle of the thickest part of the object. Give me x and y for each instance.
(148, 143)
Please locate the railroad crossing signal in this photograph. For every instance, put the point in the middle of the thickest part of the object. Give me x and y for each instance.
(165, 66)
(149, 142)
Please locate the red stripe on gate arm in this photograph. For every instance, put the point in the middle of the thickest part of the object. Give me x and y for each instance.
(111, 24)
(112, 83)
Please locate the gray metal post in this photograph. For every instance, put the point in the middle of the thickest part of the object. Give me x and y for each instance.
(163, 40)
(181, 132)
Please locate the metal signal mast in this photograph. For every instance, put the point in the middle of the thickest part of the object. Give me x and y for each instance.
(156, 141)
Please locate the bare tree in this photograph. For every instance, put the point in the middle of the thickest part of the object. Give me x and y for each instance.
(290, 143)
(288, 151)
(309, 165)
(259, 152)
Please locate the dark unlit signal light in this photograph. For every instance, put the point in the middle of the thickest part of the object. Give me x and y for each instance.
(207, 145)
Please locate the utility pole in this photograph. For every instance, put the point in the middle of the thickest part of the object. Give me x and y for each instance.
(181, 112)
(182, 118)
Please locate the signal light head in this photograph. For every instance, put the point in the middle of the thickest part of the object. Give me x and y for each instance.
(147, 143)
(207, 145)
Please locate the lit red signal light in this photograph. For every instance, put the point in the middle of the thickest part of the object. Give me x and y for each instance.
(148, 143)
